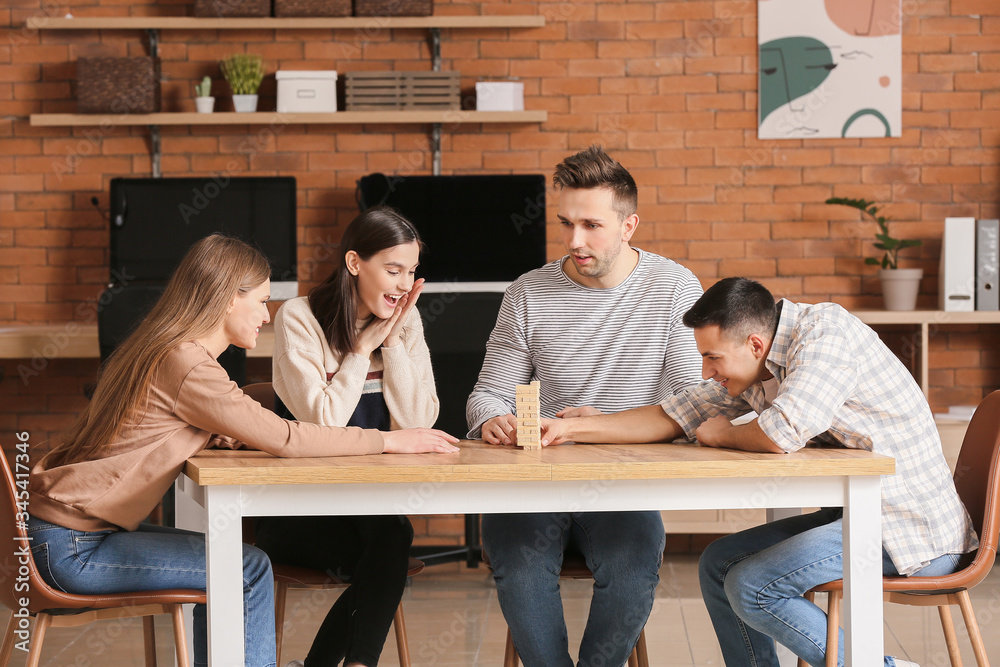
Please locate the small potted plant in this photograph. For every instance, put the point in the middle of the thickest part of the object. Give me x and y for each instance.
(243, 72)
(203, 96)
(899, 286)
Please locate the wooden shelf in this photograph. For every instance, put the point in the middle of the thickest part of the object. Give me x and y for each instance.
(927, 316)
(318, 23)
(79, 341)
(446, 116)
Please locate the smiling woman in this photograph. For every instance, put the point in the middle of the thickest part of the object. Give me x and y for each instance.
(353, 353)
(161, 398)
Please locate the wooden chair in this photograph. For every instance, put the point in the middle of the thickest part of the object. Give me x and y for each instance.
(978, 482)
(289, 576)
(55, 609)
(574, 567)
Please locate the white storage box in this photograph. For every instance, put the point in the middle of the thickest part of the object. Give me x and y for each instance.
(499, 96)
(307, 92)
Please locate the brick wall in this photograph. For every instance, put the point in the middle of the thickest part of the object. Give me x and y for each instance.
(669, 88)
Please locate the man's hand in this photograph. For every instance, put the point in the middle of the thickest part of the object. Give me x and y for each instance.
(403, 308)
(418, 441)
(720, 432)
(555, 431)
(582, 411)
(501, 430)
(712, 431)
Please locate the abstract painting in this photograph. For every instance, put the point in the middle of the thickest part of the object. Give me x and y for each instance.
(829, 68)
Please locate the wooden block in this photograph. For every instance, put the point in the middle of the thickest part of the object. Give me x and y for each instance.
(527, 398)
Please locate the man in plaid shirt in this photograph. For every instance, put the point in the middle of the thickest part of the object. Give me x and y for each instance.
(813, 373)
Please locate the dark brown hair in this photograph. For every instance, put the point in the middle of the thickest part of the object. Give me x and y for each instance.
(738, 306)
(334, 302)
(593, 168)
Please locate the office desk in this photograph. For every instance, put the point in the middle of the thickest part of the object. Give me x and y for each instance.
(485, 479)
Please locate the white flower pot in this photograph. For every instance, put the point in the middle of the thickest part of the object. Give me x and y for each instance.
(245, 103)
(900, 288)
(204, 104)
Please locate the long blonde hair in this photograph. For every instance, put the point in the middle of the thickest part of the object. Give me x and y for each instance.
(213, 272)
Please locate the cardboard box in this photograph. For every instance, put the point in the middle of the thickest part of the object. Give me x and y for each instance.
(307, 92)
(499, 96)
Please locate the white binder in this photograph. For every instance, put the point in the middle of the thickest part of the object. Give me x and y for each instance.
(957, 287)
(988, 264)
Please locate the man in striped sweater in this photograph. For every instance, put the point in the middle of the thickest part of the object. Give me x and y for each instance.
(601, 330)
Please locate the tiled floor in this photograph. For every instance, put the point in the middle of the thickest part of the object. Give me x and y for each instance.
(453, 619)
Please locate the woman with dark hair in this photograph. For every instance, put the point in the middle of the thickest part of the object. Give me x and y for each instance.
(161, 398)
(353, 353)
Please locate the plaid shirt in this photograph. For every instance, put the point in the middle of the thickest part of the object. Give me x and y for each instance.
(839, 384)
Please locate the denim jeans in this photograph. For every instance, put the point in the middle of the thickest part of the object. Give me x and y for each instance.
(622, 549)
(149, 559)
(753, 582)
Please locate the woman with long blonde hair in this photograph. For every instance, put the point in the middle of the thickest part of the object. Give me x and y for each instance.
(161, 398)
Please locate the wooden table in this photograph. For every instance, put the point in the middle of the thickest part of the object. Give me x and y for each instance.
(226, 486)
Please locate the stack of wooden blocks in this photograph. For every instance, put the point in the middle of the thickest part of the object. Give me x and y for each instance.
(389, 91)
(529, 419)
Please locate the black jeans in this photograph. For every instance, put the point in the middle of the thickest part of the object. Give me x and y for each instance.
(371, 552)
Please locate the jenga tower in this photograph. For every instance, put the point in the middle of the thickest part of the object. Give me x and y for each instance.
(529, 421)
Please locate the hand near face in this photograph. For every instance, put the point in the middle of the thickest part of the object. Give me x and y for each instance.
(375, 332)
(403, 308)
(711, 430)
(501, 430)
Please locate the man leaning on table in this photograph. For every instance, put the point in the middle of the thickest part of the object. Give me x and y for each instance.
(813, 373)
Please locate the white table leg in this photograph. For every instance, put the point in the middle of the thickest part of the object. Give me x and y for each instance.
(862, 613)
(224, 548)
(189, 515)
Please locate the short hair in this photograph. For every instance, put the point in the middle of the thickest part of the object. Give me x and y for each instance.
(738, 306)
(593, 168)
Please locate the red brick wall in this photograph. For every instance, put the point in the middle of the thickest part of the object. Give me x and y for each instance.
(669, 88)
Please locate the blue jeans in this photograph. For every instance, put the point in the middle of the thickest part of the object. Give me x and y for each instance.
(753, 582)
(622, 549)
(149, 559)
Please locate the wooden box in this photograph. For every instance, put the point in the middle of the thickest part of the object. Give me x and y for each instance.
(389, 91)
(393, 7)
(231, 8)
(312, 7)
(117, 85)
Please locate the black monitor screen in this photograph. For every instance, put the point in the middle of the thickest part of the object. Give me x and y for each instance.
(474, 228)
(155, 220)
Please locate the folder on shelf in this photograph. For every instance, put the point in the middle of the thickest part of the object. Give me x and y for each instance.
(957, 276)
(987, 264)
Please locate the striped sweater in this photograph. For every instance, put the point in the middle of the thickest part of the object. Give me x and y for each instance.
(612, 349)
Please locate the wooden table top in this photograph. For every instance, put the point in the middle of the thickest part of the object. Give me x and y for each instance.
(480, 462)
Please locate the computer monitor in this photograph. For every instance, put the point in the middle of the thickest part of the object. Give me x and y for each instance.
(483, 231)
(155, 220)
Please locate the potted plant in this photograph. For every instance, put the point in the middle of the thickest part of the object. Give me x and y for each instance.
(203, 96)
(899, 286)
(243, 72)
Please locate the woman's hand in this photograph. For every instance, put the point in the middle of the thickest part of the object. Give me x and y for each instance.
(375, 332)
(418, 441)
(405, 305)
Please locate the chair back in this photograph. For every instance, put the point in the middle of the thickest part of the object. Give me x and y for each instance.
(977, 479)
(19, 578)
(262, 392)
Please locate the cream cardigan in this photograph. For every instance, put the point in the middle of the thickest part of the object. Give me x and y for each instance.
(303, 359)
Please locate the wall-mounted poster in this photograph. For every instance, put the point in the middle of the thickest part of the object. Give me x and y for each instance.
(829, 68)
